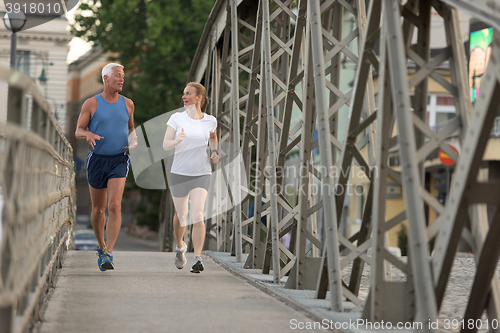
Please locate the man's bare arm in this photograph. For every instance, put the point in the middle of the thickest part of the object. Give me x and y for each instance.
(132, 137)
(83, 122)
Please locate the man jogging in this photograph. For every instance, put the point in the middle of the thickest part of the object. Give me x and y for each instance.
(109, 119)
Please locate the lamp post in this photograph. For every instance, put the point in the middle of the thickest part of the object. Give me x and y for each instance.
(14, 22)
(56, 106)
(43, 81)
(43, 77)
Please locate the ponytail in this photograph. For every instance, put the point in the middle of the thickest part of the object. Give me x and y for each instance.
(204, 104)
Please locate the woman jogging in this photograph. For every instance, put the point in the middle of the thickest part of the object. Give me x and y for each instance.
(190, 132)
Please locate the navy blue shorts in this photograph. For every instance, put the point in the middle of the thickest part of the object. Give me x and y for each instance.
(181, 185)
(101, 168)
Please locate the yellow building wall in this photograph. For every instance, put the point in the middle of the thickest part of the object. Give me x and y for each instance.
(396, 206)
(492, 152)
(434, 87)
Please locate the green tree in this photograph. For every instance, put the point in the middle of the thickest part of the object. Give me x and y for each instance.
(155, 40)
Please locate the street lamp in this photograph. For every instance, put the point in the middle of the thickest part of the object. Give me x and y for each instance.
(14, 22)
(43, 81)
(42, 78)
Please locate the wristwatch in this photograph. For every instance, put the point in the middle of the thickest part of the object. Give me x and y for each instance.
(214, 151)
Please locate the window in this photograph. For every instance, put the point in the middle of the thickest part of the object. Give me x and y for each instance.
(442, 117)
(445, 100)
(23, 62)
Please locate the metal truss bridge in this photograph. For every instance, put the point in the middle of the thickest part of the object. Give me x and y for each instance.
(264, 62)
(273, 70)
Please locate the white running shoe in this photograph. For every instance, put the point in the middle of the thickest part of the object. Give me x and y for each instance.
(180, 257)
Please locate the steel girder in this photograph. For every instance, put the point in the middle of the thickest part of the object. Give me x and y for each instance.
(248, 48)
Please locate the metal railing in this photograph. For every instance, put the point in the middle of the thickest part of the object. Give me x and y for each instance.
(495, 130)
(37, 185)
(439, 127)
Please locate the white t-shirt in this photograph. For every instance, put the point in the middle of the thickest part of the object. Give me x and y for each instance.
(191, 158)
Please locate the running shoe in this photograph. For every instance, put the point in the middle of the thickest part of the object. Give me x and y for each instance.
(107, 261)
(180, 257)
(100, 253)
(197, 265)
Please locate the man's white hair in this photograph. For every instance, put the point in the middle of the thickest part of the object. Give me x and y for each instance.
(108, 69)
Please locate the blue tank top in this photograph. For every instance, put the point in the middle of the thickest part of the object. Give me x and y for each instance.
(110, 120)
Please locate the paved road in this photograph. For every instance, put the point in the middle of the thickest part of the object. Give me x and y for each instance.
(125, 242)
(146, 293)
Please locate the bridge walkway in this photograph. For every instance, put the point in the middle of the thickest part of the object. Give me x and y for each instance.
(147, 293)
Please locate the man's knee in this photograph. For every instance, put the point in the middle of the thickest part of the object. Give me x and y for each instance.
(98, 210)
(114, 207)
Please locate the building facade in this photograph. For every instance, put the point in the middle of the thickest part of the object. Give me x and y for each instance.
(42, 54)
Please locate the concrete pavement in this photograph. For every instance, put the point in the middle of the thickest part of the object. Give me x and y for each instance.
(126, 242)
(147, 293)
